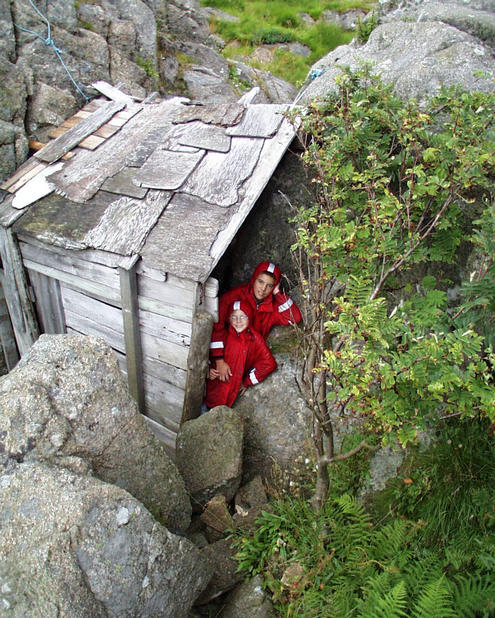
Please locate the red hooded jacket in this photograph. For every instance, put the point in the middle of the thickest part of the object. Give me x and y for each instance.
(249, 359)
(277, 309)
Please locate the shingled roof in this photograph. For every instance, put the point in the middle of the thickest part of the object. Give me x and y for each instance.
(168, 181)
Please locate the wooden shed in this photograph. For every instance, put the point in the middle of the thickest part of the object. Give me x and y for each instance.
(114, 226)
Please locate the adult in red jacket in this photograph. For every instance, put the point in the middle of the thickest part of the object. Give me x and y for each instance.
(247, 354)
(270, 307)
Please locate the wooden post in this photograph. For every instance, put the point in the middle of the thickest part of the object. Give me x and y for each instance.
(7, 337)
(197, 364)
(132, 336)
(17, 295)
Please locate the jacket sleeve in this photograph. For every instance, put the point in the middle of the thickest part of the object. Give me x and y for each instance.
(219, 332)
(286, 310)
(263, 364)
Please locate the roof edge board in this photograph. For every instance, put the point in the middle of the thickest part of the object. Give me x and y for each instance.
(274, 150)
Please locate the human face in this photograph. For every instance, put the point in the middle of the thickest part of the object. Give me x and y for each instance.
(239, 320)
(263, 286)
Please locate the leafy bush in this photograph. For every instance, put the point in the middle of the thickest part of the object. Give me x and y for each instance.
(397, 186)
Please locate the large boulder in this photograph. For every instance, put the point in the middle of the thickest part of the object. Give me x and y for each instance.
(209, 455)
(437, 44)
(277, 421)
(74, 546)
(67, 401)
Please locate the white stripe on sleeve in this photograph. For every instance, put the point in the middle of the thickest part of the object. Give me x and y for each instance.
(286, 305)
(216, 344)
(252, 377)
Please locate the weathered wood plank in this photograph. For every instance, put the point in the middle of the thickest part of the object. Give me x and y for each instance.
(166, 292)
(164, 351)
(23, 175)
(126, 223)
(205, 136)
(224, 114)
(122, 184)
(76, 134)
(87, 326)
(219, 176)
(80, 304)
(7, 337)
(165, 328)
(49, 304)
(184, 314)
(261, 120)
(84, 174)
(111, 92)
(91, 142)
(165, 372)
(17, 295)
(105, 258)
(97, 290)
(273, 151)
(133, 352)
(165, 415)
(166, 436)
(67, 261)
(106, 131)
(185, 217)
(167, 169)
(197, 365)
(152, 273)
(164, 393)
(9, 215)
(57, 132)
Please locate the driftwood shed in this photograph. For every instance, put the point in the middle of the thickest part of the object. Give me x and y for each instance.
(114, 226)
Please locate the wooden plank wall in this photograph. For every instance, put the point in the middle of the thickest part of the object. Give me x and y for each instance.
(90, 304)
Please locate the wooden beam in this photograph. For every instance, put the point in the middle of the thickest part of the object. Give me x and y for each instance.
(17, 295)
(76, 134)
(197, 365)
(130, 317)
(7, 337)
(112, 92)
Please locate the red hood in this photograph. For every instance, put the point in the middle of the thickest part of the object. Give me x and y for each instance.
(244, 306)
(268, 266)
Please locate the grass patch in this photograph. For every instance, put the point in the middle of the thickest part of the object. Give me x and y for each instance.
(279, 21)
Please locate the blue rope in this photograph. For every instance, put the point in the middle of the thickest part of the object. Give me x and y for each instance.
(49, 41)
(317, 72)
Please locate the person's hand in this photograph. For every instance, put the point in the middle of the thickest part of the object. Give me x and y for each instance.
(242, 390)
(223, 370)
(213, 374)
(276, 289)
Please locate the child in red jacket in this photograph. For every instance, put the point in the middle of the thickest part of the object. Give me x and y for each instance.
(269, 307)
(248, 357)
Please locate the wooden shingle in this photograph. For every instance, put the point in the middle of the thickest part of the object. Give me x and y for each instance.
(218, 178)
(167, 169)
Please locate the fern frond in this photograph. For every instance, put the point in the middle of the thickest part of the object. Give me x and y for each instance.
(435, 600)
(390, 540)
(475, 596)
(391, 604)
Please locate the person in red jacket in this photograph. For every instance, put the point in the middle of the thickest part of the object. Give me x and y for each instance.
(247, 355)
(270, 307)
